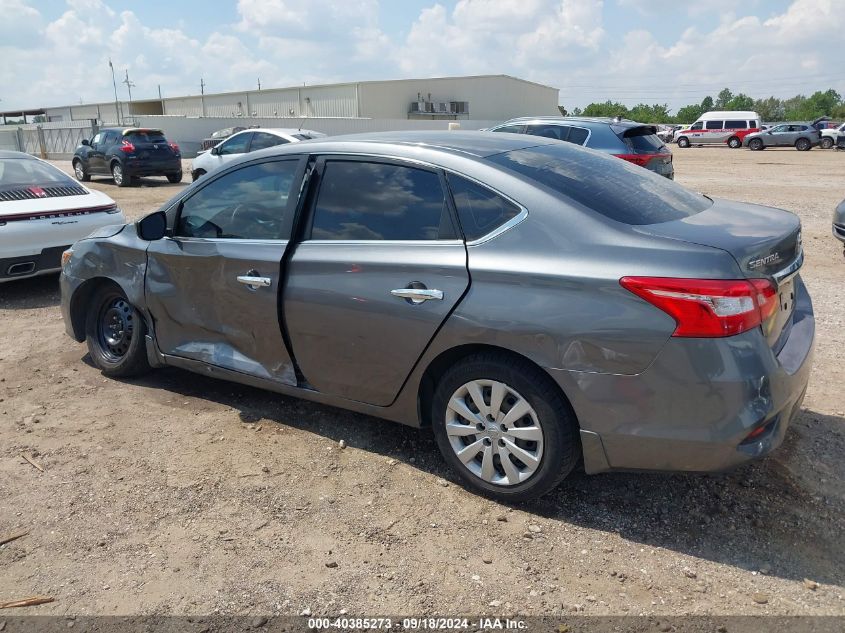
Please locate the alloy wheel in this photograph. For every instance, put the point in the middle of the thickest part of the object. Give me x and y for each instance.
(495, 432)
(77, 168)
(117, 174)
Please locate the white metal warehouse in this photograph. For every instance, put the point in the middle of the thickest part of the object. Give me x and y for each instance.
(484, 97)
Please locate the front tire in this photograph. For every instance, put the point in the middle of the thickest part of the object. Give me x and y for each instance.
(734, 142)
(115, 332)
(504, 427)
(803, 145)
(120, 178)
(683, 142)
(756, 144)
(79, 171)
(197, 174)
(174, 178)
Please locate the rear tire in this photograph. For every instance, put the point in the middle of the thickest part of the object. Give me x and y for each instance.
(79, 171)
(115, 333)
(683, 142)
(803, 145)
(826, 142)
(504, 385)
(174, 178)
(120, 178)
(756, 144)
(734, 142)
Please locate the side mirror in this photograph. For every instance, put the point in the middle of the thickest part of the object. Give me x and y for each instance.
(85, 141)
(152, 227)
(215, 150)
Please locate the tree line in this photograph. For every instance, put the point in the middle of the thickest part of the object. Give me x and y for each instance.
(797, 108)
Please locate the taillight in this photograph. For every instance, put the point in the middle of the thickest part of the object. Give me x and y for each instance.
(637, 159)
(126, 147)
(708, 308)
(174, 147)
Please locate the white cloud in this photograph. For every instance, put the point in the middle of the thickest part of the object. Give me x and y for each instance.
(60, 58)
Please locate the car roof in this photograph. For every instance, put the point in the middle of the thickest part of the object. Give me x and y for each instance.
(7, 153)
(290, 131)
(620, 122)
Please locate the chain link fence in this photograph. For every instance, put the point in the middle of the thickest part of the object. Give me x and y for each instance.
(48, 140)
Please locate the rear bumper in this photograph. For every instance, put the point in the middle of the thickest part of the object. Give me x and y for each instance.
(692, 409)
(48, 260)
(140, 167)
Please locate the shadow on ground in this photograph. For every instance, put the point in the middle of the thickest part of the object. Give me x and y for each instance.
(756, 517)
(27, 294)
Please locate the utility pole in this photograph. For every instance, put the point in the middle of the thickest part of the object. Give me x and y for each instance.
(159, 92)
(259, 83)
(202, 95)
(116, 105)
(129, 86)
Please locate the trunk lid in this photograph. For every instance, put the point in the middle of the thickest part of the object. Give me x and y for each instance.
(765, 242)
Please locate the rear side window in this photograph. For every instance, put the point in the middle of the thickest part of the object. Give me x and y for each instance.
(379, 201)
(263, 140)
(148, 136)
(737, 125)
(480, 210)
(557, 132)
(715, 125)
(578, 135)
(611, 187)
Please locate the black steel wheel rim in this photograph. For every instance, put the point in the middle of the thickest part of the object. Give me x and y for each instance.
(115, 328)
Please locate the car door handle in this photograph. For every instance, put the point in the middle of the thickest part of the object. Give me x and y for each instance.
(254, 282)
(417, 295)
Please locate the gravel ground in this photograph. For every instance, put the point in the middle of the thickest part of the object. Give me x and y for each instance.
(176, 493)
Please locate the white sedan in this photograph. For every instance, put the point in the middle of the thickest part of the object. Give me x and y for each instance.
(42, 213)
(244, 142)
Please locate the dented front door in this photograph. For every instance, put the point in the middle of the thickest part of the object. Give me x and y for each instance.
(213, 285)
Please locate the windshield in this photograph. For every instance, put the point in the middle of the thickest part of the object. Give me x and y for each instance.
(25, 171)
(612, 187)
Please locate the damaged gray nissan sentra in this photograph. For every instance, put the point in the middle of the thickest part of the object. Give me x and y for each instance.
(535, 303)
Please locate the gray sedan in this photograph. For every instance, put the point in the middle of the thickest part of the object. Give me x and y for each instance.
(801, 136)
(534, 303)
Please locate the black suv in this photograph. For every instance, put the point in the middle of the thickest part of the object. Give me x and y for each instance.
(126, 154)
(635, 142)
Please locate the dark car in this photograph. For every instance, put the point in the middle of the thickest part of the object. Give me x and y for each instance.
(801, 136)
(533, 302)
(126, 154)
(628, 140)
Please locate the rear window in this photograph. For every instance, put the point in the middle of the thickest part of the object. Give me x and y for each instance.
(609, 186)
(642, 140)
(24, 171)
(302, 137)
(148, 136)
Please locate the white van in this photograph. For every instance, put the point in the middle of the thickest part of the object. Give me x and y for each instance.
(722, 127)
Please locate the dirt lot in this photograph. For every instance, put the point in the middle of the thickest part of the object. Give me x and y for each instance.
(180, 494)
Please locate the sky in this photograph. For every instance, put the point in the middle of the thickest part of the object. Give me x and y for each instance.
(56, 52)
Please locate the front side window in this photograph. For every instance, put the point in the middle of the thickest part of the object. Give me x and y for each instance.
(779, 128)
(614, 188)
(512, 129)
(235, 145)
(263, 140)
(248, 203)
(715, 125)
(697, 125)
(480, 210)
(379, 201)
(97, 138)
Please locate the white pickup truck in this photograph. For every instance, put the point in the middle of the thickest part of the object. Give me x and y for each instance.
(829, 135)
